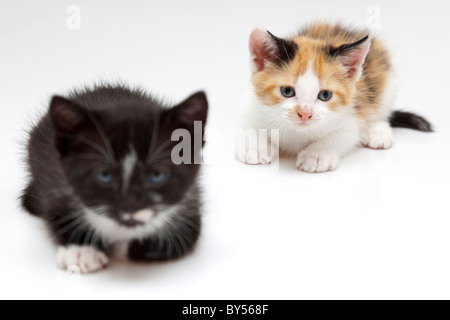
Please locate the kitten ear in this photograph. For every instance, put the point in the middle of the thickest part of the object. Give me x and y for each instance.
(66, 115)
(194, 108)
(265, 48)
(352, 56)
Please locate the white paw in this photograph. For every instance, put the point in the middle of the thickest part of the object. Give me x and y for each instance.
(254, 156)
(317, 162)
(378, 136)
(87, 259)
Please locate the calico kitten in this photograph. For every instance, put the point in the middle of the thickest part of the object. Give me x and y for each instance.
(327, 90)
(103, 180)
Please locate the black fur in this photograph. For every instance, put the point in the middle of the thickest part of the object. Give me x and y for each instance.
(29, 202)
(177, 240)
(402, 119)
(93, 130)
(345, 48)
(286, 50)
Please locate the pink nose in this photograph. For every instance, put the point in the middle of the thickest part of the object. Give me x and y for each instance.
(305, 116)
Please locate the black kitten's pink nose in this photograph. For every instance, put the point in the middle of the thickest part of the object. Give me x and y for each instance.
(143, 215)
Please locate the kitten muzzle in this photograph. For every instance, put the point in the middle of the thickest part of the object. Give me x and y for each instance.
(304, 112)
(304, 116)
(140, 216)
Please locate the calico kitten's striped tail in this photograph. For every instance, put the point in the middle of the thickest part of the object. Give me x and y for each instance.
(403, 119)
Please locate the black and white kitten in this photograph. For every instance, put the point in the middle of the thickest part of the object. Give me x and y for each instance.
(103, 180)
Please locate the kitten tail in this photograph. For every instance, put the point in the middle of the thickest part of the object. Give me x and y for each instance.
(403, 119)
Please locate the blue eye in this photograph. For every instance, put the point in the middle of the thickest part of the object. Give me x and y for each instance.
(158, 177)
(104, 178)
(287, 92)
(325, 95)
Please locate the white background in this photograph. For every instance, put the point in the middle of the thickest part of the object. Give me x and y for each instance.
(378, 227)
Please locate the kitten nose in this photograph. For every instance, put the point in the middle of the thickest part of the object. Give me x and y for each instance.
(305, 116)
(131, 208)
(143, 215)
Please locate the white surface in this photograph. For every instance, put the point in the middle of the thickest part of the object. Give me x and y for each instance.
(378, 227)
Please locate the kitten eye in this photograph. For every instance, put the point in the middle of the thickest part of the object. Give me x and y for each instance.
(104, 178)
(288, 92)
(158, 177)
(325, 95)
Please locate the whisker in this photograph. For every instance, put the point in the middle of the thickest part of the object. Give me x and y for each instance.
(87, 237)
(161, 148)
(175, 244)
(155, 135)
(91, 157)
(73, 224)
(160, 156)
(89, 143)
(183, 220)
(70, 216)
(102, 133)
(80, 231)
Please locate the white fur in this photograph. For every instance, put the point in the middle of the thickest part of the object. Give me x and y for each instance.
(119, 250)
(329, 134)
(257, 146)
(317, 162)
(319, 145)
(84, 258)
(324, 153)
(128, 165)
(389, 96)
(112, 231)
(250, 154)
(307, 89)
(116, 236)
(255, 155)
(377, 134)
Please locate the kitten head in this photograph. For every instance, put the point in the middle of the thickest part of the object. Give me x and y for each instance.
(117, 156)
(305, 81)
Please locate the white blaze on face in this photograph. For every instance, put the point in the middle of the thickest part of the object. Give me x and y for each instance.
(307, 90)
(128, 165)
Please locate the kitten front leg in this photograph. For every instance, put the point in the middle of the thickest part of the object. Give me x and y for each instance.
(255, 156)
(377, 136)
(257, 147)
(324, 154)
(316, 161)
(79, 246)
(85, 258)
